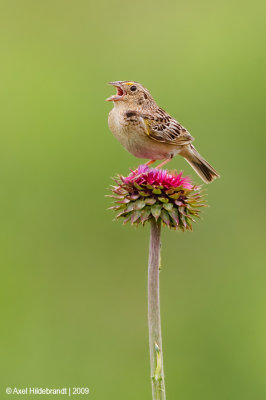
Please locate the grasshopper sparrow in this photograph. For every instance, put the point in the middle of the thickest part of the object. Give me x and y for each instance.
(147, 131)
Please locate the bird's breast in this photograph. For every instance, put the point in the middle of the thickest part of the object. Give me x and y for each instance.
(125, 129)
(130, 132)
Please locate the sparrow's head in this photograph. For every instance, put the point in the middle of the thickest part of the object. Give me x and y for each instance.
(131, 93)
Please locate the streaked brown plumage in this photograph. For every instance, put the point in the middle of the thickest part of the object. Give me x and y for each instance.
(147, 131)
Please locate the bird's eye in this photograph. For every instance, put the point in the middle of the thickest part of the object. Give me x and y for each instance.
(133, 88)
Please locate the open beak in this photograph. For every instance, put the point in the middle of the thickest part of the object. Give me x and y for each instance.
(119, 92)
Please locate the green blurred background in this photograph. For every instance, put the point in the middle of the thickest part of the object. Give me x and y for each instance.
(73, 282)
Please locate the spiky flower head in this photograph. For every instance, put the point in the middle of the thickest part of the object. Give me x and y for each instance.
(155, 193)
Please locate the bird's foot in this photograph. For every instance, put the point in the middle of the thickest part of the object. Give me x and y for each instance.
(147, 164)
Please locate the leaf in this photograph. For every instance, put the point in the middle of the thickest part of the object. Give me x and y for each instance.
(191, 218)
(182, 210)
(127, 218)
(156, 210)
(168, 206)
(183, 220)
(150, 201)
(156, 191)
(150, 187)
(175, 196)
(174, 216)
(165, 217)
(116, 208)
(145, 214)
(124, 201)
(139, 204)
(121, 214)
(169, 192)
(179, 203)
(133, 197)
(189, 224)
(163, 199)
(179, 189)
(130, 207)
(144, 194)
(198, 205)
(135, 216)
(115, 196)
(138, 186)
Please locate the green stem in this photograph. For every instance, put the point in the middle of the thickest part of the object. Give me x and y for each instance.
(154, 320)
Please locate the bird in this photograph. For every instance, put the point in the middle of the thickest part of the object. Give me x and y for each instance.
(148, 132)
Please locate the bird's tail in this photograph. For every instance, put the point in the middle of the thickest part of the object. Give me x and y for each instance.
(205, 171)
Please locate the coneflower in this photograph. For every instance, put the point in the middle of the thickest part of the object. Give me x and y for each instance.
(156, 196)
(153, 194)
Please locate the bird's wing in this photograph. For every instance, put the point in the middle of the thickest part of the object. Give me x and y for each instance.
(162, 127)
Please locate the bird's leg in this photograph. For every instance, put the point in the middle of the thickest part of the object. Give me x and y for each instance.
(164, 162)
(150, 162)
